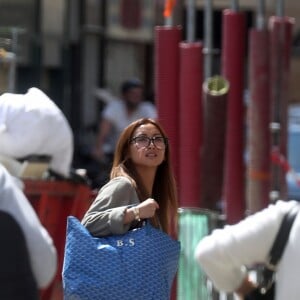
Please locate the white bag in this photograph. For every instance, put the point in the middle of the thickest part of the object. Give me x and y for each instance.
(32, 124)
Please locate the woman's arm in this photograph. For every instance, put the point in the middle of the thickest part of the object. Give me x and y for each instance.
(109, 213)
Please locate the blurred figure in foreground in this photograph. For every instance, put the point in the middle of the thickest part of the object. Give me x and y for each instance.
(227, 253)
(28, 256)
(32, 125)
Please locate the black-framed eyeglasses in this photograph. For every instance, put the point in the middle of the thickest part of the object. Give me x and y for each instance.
(143, 141)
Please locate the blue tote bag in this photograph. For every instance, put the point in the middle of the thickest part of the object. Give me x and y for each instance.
(138, 265)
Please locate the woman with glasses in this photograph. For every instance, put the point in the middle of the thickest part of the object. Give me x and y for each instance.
(141, 184)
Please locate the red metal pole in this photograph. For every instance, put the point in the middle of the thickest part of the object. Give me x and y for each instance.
(167, 41)
(190, 119)
(215, 90)
(233, 54)
(259, 116)
(280, 43)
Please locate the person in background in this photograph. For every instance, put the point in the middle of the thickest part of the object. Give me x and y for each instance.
(226, 254)
(120, 113)
(27, 254)
(141, 186)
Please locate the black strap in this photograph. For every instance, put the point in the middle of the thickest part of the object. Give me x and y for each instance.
(282, 235)
(277, 250)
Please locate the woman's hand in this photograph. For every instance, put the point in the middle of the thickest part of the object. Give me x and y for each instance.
(147, 208)
(144, 210)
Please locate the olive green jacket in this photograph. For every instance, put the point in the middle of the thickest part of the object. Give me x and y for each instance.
(105, 215)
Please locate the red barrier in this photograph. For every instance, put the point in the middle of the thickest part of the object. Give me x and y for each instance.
(233, 60)
(280, 45)
(166, 54)
(167, 41)
(191, 121)
(54, 201)
(259, 117)
(215, 91)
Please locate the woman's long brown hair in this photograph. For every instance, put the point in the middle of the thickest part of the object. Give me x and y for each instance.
(164, 188)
